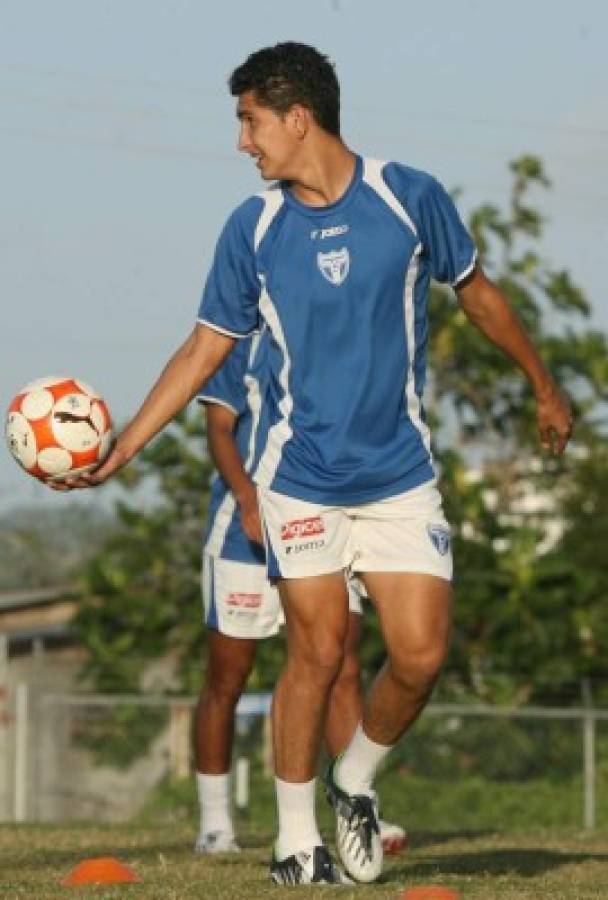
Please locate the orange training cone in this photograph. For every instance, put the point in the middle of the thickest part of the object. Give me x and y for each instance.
(430, 892)
(102, 870)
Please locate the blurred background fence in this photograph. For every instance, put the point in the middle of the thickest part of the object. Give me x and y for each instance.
(70, 756)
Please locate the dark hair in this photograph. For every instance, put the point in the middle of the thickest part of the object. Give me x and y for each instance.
(291, 73)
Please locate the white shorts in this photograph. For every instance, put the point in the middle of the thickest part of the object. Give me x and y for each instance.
(240, 602)
(405, 533)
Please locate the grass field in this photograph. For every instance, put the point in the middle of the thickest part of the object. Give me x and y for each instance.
(526, 866)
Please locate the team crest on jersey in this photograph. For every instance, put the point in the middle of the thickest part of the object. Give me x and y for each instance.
(440, 538)
(334, 265)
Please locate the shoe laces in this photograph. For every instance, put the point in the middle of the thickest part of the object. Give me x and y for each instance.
(362, 819)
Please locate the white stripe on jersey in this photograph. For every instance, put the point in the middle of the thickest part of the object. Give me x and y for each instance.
(273, 200)
(225, 510)
(466, 271)
(280, 433)
(372, 175)
(412, 399)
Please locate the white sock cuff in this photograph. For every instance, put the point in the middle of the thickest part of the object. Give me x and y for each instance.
(212, 787)
(214, 802)
(296, 814)
(356, 768)
(294, 792)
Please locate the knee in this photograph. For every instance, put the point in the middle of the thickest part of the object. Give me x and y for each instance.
(322, 657)
(226, 685)
(419, 669)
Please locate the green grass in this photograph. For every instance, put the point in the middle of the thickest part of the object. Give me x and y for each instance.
(520, 866)
(486, 839)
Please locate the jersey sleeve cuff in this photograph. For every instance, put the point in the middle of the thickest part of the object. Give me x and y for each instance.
(217, 401)
(234, 334)
(466, 272)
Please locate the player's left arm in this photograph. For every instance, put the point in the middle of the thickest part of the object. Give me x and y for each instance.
(221, 423)
(488, 308)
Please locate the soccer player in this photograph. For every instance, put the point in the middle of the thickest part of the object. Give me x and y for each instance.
(336, 259)
(241, 606)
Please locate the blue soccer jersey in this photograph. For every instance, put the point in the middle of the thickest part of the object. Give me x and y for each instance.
(343, 291)
(237, 385)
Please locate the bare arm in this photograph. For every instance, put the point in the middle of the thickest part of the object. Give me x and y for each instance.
(191, 366)
(487, 307)
(220, 436)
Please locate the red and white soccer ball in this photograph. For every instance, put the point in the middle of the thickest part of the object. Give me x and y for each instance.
(57, 427)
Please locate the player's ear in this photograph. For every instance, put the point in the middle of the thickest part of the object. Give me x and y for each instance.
(300, 119)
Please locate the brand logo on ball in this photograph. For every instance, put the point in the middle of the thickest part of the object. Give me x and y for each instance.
(440, 538)
(300, 528)
(334, 265)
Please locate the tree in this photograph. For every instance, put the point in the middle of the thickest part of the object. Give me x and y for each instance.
(46, 547)
(516, 633)
(141, 593)
(486, 404)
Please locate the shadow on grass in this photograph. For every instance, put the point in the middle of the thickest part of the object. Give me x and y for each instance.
(526, 863)
(420, 839)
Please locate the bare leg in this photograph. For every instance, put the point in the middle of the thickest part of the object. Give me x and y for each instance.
(414, 613)
(345, 704)
(415, 617)
(230, 661)
(344, 714)
(316, 614)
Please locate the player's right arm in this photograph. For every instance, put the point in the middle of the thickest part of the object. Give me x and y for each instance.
(201, 354)
(221, 422)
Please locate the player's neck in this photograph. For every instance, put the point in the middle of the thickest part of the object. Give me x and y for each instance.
(324, 174)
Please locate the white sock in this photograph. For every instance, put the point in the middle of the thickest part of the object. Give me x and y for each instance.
(297, 823)
(214, 802)
(356, 768)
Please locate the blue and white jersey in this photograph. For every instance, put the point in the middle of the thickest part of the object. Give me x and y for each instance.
(237, 385)
(343, 291)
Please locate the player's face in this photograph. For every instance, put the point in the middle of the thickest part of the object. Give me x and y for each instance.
(267, 137)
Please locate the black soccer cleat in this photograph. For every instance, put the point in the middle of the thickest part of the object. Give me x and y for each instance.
(314, 866)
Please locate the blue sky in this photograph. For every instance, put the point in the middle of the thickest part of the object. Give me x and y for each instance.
(119, 160)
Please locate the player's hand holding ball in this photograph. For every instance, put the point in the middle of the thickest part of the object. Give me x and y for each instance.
(58, 430)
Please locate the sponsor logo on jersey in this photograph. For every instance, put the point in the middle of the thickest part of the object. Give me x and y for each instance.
(318, 234)
(334, 265)
(243, 600)
(440, 538)
(301, 528)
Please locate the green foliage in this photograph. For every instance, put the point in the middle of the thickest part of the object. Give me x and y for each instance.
(472, 380)
(45, 547)
(140, 610)
(117, 735)
(523, 603)
(141, 593)
(499, 749)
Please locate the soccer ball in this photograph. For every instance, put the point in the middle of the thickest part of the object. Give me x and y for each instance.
(57, 427)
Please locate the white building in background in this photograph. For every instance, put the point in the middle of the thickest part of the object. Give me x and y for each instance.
(527, 503)
(46, 774)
